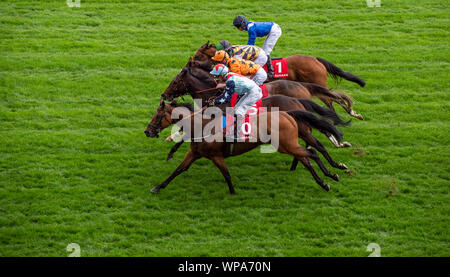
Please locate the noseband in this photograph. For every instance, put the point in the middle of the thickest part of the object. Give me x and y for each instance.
(157, 127)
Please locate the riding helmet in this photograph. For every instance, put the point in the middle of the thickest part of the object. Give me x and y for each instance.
(238, 20)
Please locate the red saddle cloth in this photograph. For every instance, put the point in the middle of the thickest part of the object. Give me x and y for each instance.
(280, 67)
(253, 111)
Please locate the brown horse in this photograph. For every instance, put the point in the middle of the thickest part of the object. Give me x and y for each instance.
(288, 125)
(284, 103)
(301, 68)
(195, 76)
(305, 69)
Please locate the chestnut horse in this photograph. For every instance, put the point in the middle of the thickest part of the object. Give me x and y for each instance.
(305, 69)
(217, 151)
(301, 68)
(195, 76)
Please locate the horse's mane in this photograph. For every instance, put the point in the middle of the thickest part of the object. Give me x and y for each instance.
(203, 73)
(188, 105)
(206, 65)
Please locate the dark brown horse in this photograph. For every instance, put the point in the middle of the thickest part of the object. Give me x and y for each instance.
(301, 68)
(288, 128)
(195, 77)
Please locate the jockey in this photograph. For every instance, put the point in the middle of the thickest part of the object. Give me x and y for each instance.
(243, 67)
(260, 29)
(248, 90)
(247, 52)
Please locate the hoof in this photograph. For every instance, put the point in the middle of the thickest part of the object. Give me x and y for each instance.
(342, 166)
(169, 158)
(155, 190)
(326, 187)
(346, 144)
(359, 116)
(335, 177)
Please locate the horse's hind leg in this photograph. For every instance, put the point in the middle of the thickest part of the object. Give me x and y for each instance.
(311, 140)
(337, 143)
(294, 164)
(322, 167)
(220, 163)
(302, 155)
(308, 165)
(188, 160)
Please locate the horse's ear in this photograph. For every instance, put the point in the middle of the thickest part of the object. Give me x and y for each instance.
(161, 102)
(189, 62)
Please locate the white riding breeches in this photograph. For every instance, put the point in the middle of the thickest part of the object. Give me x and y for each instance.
(247, 101)
(261, 59)
(271, 39)
(259, 77)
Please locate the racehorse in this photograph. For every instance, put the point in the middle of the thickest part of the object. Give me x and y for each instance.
(301, 68)
(285, 103)
(217, 151)
(195, 76)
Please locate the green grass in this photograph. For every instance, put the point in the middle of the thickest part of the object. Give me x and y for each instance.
(79, 85)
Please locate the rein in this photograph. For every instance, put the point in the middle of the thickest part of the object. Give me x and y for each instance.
(155, 126)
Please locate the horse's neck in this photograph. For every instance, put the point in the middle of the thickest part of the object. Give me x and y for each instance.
(203, 96)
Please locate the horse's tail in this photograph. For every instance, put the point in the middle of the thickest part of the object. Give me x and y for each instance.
(325, 94)
(337, 72)
(327, 113)
(318, 123)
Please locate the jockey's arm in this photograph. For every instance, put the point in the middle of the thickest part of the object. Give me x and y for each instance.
(225, 97)
(251, 34)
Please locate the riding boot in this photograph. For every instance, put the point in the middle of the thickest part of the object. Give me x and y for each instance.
(233, 133)
(270, 70)
(236, 127)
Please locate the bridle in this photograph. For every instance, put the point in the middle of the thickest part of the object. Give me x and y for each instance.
(157, 127)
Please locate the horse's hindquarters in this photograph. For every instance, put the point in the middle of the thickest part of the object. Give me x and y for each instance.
(306, 69)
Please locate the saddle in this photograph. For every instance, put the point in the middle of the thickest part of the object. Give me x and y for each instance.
(229, 121)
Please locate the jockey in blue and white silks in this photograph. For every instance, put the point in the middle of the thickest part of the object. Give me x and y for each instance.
(249, 91)
(259, 29)
(270, 30)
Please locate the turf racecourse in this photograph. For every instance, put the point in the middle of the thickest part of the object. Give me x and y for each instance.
(79, 85)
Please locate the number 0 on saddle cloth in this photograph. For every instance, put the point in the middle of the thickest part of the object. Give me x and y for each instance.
(228, 120)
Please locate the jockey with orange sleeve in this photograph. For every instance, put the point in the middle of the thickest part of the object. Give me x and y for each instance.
(243, 67)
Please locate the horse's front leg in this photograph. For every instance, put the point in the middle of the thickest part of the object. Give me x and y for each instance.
(174, 149)
(188, 160)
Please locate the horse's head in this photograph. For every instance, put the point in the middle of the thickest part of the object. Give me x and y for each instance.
(178, 86)
(205, 52)
(194, 76)
(161, 120)
(163, 117)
